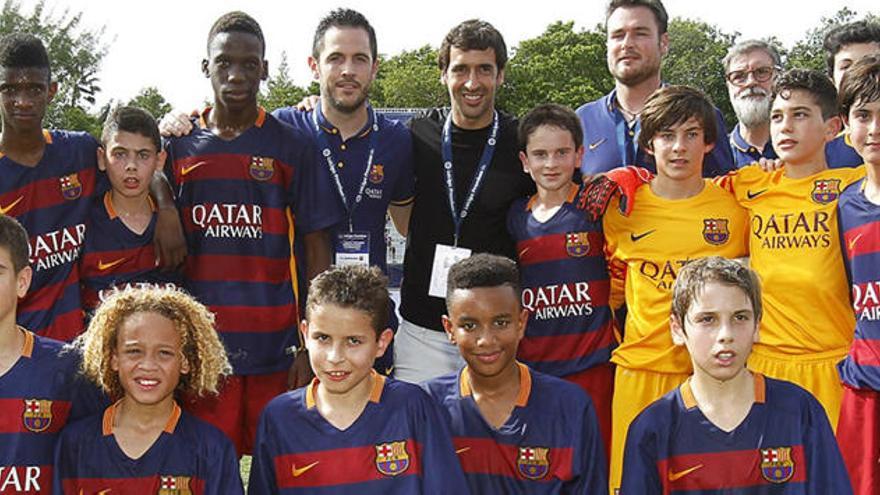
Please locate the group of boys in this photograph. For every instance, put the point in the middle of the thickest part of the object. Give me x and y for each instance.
(254, 189)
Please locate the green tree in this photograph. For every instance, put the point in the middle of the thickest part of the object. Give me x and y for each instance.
(280, 91)
(695, 52)
(560, 66)
(151, 100)
(75, 53)
(409, 79)
(808, 53)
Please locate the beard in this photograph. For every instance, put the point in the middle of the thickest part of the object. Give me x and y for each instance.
(343, 107)
(752, 107)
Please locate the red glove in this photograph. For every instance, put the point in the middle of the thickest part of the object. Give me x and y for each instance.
(596, 195)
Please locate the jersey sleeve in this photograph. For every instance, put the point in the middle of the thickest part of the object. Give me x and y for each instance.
(590, 457)
(640, 475)
(825, 469)
(312, 209)
(223, 476)
(441, 470)
(262, 477)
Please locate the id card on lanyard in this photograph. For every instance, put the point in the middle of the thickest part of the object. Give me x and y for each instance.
(445, 255)
(350, 247)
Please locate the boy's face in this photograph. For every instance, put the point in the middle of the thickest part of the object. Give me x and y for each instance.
(235, 66)
(148, 358)
(13, 285)
(850, 54)
(472, 78)
(342, 346)
(864, 130)
(486, 323)
(797, 129)
(24, 95)
(551, 157)
(345, 68)
(130, 160)
(719, 331)
(679, 150)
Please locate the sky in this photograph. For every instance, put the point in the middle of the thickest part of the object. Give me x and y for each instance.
(162, 42)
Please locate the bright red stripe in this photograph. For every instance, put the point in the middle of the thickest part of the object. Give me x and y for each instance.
(224, 268)
(44, 298)
(731, 469)
(26, 480)
(863, 239)
(12, 419)
(552, 248)
(485, 456)
(273, 220)
(338, 467)
(65, 327)
(865, 352)
(565, 347)
(254, 319)
(46, 193)
(225, 166)
(149, 484)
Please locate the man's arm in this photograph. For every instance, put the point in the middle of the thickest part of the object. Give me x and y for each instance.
(169, 240)
(317, 254)
(400, 217)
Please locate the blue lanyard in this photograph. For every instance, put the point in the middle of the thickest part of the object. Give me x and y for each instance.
(479, 176)
(327, 152)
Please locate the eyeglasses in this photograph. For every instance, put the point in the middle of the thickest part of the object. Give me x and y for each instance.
(741, 77)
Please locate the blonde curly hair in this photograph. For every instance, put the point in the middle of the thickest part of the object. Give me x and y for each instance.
(199, 343)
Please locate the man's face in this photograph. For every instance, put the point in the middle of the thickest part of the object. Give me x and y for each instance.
(679, 150)
(472, 78)
(24, 95)
(850, 54)
(235, 66)
(345, 68)
(749, 84)
(797, 129)
(864, 130)
(635, 48)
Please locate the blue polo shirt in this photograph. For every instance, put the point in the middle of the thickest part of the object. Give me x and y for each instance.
(609, 142)
(390, 180)
(839, 153)
(746, 154)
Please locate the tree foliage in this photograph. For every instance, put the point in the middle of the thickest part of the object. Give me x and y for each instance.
(409, 79)
(151, 100)
(75, 53)
(808, 52)
(280, 91)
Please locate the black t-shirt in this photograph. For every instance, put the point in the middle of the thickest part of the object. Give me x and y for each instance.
(483, 231)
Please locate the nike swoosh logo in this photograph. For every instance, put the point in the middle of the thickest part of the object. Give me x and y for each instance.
(852, 242)
(753, 195)
(637, 238)
(5, 209)
(524, 251)
(103, 492)
(596, 144)
(462, 450)
(106, 266)
(186, 170)
(299, 472)
(681, 474)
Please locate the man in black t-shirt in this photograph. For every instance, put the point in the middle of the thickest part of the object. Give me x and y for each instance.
(473, 147)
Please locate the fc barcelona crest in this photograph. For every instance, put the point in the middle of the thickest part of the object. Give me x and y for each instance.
(577, 244)
(392, 458)
(777, 465)
(715, 231)
(377, 173)
(262, 168)
(533, 462)
(37, 416)
(71, 187)
(825, 190)
(174, 485)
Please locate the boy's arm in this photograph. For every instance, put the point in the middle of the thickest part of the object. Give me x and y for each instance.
(262, 477)
(591, 456)
(168, 239)
(825, 469)
(441, 469)
(640, 474)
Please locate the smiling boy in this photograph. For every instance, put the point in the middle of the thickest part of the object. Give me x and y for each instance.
(727, 428)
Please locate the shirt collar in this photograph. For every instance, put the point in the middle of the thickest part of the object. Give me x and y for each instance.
(525, 384)
(110, 414)
(690, 402)
(203, 117)
(331, 129)
(378, 386)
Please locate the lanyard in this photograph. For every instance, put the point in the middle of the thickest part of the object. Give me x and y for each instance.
(479, 176)
(324, 145)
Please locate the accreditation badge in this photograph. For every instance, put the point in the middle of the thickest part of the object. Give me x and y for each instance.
(352, 248)
(444, 257)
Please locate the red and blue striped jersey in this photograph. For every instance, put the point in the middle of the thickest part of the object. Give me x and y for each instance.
(52, 201)
(565, 287)
(400, 444)
(114, 257)
(859, 224)
(784, 445)
(550, 444)
(189, 457)
(239, 200)
(38, 395)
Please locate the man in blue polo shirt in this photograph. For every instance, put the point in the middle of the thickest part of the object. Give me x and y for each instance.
(750, 67)
(637, 42)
